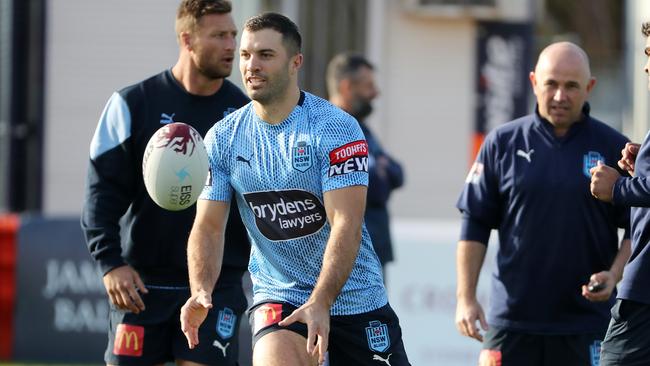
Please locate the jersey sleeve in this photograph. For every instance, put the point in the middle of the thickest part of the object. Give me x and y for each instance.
(217, 187)
(479, 200)
(345, 154)
(110, 184)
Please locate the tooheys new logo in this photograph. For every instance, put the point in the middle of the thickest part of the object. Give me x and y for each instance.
(352, 157)
(285, 215)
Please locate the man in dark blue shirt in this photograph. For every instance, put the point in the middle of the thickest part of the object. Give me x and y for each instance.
(139, 247)
(531, 182)
(351, 87)
(628, 337)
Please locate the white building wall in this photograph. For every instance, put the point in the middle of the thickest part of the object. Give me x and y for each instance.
(424, 116)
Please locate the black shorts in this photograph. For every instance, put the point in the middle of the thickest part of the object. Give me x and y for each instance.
(506, 347)
(362, 339)
(154, 336)
(628, 338)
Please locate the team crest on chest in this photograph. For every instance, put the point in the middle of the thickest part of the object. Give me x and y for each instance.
(226, 323)
(590, 160)
(301, 156)
(378, 338)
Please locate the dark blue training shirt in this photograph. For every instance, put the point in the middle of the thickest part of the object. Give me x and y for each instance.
(533, 187)
(120, 221)
(635, 192)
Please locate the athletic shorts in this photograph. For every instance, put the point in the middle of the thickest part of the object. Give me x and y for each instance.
(371, 338)
(154, 336)
(628, 338)
(505, 347)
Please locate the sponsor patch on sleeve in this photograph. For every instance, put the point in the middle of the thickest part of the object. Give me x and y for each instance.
(475, 173)
(351, 157)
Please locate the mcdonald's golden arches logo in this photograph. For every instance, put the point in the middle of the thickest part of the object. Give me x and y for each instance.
(129, 340)
(267, 314)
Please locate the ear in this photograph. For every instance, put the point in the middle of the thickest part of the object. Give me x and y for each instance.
(533, 81)
(296, 62)
(591, 84)
(186, 40)
(345, 86)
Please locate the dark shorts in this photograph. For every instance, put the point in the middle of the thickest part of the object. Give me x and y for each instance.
(154, 336)
(371, 338)
(628, 337)
(509, 348)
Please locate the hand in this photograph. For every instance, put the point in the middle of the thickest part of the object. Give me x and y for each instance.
(467, 314)
(628, 156)
(605, 277)
(603, 178)
(193, 313)
(122, 285)
(317, 317)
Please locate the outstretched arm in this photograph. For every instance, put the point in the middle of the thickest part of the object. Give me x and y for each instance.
(345, 208)
(204, 258)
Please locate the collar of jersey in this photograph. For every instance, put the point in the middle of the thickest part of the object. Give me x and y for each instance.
(295, 113)
(547, 128)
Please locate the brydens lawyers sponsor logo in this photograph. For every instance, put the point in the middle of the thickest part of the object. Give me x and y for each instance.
(285, 215)
(352, 157)
(128, 340)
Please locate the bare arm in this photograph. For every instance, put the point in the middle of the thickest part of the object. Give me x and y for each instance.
(205, 245)
(204, 258)
(469, 260)
(345, 208)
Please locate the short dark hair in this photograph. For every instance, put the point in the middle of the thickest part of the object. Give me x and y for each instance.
(645, 29)
(343, 66)
(283, 25)
(190, 11)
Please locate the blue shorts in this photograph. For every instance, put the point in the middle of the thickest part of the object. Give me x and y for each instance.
(507, 347)
(628, 338)
(360, 339)
(154, 336)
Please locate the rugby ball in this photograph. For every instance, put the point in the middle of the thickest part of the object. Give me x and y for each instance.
(175, 166)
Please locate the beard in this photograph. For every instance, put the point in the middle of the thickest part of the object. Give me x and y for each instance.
(361, 109)
(212, 69)
(276, 87)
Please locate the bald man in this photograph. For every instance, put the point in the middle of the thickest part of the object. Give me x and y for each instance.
(559, 258)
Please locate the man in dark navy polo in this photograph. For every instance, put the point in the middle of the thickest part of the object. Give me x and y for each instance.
(559, 258)
(628, 337)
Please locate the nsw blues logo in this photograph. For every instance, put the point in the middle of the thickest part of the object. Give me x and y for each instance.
(228, 111)
(378, 338)
(590, 160)
(301, 157)
(226, 323)
(594, 353)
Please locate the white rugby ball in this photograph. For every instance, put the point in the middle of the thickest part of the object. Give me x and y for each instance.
(175, 166)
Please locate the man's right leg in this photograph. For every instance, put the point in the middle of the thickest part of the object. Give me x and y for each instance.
(503, 347)
(274, 345)
(282, 348)
(144, 338)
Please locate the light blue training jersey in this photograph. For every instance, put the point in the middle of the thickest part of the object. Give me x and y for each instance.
(279, 173)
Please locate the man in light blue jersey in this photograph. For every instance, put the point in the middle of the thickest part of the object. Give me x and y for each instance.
(299, 170)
